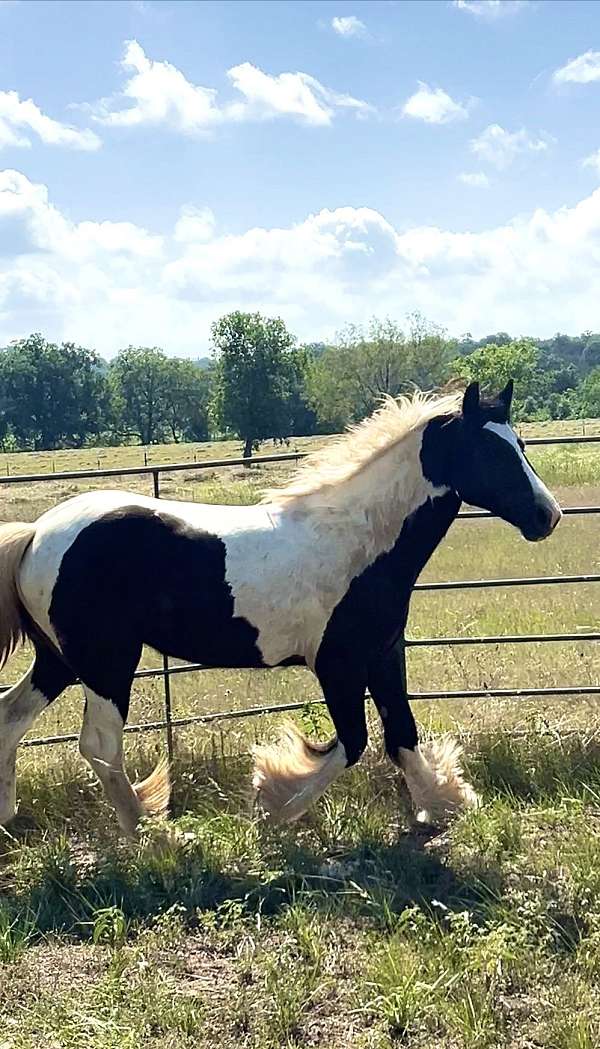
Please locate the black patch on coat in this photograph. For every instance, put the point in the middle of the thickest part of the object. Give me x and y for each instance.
(373, 612)
(51, 675)
(138, 576)
(372, 615)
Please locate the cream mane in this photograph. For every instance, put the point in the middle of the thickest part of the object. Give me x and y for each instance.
(346, 455)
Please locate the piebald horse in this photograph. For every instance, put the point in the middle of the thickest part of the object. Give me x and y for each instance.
(319, 574)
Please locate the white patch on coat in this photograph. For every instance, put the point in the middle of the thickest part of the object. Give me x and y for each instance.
(321, 542)
(538, 487)
(19, 707)
(101, 744)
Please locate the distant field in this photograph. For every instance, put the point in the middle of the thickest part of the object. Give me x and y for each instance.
(157, 454)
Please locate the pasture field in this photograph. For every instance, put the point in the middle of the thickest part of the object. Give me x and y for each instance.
(350, 929)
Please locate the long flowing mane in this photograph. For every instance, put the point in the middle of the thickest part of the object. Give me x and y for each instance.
(349, 454)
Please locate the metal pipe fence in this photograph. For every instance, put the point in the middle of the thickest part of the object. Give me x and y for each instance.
(168, 669)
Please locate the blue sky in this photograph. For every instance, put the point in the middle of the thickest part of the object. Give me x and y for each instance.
(161, 163)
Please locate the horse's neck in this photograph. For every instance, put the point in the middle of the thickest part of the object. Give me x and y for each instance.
(372, 507)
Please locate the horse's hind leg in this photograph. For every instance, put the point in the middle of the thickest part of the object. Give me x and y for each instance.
(46, 678)
(101, 744)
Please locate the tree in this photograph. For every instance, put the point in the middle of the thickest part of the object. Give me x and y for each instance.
(302, 418)
(429, 352)
(563, 349)
(330, 391)
(590, 358)
(589, 396)
(159, 397)
(501, 338)
(186, 397)
(52, 395)
(251, 377)
(138, 378)
(348, 379)
(492, 366)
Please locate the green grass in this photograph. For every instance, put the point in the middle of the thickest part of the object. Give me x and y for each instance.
(350, 928)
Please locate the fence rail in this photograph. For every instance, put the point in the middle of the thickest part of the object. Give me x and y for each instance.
(168, 670)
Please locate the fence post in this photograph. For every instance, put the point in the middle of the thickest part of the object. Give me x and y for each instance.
(165, 659)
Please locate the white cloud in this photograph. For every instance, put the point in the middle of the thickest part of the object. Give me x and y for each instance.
(108, 284)
(348, 25)
(194, 225)
(159, 93)
(499, 147)
(593, 161)
(490, 9)
(18, 115)
(584, 69)
(476, 179)
(434, 106)
(43, 230)
(289, 94)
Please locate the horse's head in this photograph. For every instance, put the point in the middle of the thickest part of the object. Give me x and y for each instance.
(489, 468)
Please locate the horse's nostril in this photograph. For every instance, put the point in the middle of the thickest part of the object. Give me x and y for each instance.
(556, 515)
(547, 517)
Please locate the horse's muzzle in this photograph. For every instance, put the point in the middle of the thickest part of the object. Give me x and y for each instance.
(544, 520)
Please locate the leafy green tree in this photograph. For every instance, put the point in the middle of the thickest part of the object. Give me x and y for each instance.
(562, 405)
(302, 418)
(563, 350)
(429, 352)
(138, 378)
(501, 338)
(590, 358)
(52, 395)
(330, 391)
(186, 398)
(159, 398)
(349, 378)
(492, 366)
(251, 377)
(588, 396)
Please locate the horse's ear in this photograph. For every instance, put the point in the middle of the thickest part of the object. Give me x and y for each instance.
(506, 395)
(470, 405)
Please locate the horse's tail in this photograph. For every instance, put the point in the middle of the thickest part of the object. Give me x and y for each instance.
(14, 540)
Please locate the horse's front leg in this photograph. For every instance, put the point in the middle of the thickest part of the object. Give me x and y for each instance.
(291, 774)
(433, 771)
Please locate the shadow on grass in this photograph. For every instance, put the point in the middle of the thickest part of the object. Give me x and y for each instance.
(65, 863)
(64, 893)
(60, 880)
(537, 767)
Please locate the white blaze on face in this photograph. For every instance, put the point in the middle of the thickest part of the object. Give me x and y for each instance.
(537, 485)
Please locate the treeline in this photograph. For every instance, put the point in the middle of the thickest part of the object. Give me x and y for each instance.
(260, 383)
